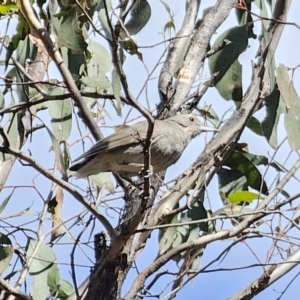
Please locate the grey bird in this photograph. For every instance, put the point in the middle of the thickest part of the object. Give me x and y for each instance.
(122, 152)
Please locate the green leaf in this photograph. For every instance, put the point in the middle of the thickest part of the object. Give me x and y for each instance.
(230, 181)
(182, 234)
(169, 26)
(65, 289)
(221, 61)
(263, 12)
(102, 83)
(5, 202)
(278, 167)
(194, 267)
(8, 8)
(22, 32)
(167, 236)
(255, 126)
(42, 264)
(285, 194)
(245, 18)
(198, 212)
(139, 17)
(59, 159)
(274, 108)
(192, 231)
(43, 259)
(167, 7)
(99, 60)
(13, 130)
(257, 159)
(230, 85)
(284, 85)
(70, 34)
(209, 114)
(292, 111)
(53, 278)
(74, 62)
(6, 252)
(240, 162)
(131, 47)
(61, 115)
(103, 18)
(244, 196)
(97, 67)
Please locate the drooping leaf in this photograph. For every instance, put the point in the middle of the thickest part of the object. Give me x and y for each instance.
(209, 114)
(97, 67)
(230, 181)
(263, 12)
(43, 259)
(169, 26)
(222, 60)
(101, 83)
(245, 18)
(102, 16)
(194, 267)
(43, 262)
(167, 7)
(59, 159)
(75, 61)
(12, 132)
(274, 108)
(198, 212)
(255, 126)
(230, 85)
(139, 17)
(292, 111)
(53, 278)
(291, 120)
(284, 85)
(256, 159)
(65, 289)
(131, 47)
(167, 236)
(70, 34)
(240, 162)
(22, 31)
(5, 202)
(61, 115)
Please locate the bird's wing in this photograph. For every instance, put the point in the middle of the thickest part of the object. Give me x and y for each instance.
(126, 136)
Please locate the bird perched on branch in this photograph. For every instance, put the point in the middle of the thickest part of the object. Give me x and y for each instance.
(122, 152)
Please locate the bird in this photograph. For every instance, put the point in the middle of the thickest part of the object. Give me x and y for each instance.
(122, 152)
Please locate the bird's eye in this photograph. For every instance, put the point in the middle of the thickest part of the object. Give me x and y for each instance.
(192, 119)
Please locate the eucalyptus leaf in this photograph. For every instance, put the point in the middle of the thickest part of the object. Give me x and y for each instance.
(139, 17)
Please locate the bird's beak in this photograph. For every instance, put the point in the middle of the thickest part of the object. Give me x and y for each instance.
(206, 128)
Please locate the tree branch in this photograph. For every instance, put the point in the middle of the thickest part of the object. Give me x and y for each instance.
(54, 53)
(207, 239)
(13, 291)
(65, 185)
